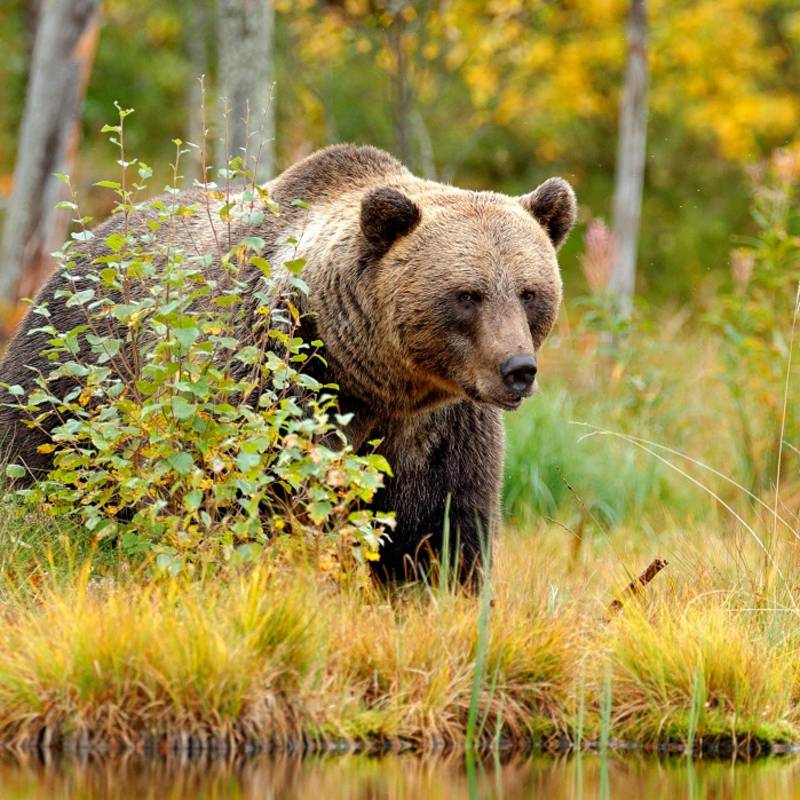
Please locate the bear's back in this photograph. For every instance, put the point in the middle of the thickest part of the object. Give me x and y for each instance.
(336, 170)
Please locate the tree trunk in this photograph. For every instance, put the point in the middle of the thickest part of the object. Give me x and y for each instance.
(63, 54)
(197, 18)
(246, 112)
(33, 10)
(427, 162)
(631, 149)
(403, 101)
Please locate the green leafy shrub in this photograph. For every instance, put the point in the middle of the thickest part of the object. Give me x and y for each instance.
(757, 321)
(179, 437)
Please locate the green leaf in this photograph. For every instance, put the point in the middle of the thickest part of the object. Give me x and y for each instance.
(186, 336)
(254, 243)
(262, 264)
(227, 300)
(182, 463)
(248, 355)
(295, 265)
(319, 511)
(191, 502)
(247, 461)
(15, 471)
(38, 397)
(115, 242)
(109, 276)
(80, 298)
(182, 409)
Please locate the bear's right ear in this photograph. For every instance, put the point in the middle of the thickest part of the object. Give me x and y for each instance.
(386, 215)
(552, 204)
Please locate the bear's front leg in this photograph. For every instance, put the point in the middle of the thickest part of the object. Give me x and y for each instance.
(453, 452)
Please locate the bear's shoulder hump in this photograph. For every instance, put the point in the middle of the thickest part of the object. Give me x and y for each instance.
(336, 170)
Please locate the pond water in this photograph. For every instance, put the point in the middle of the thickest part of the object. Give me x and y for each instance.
(395, 777)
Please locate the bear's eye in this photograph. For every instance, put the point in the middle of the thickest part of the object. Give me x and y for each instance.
(469, 298)
(528, 296)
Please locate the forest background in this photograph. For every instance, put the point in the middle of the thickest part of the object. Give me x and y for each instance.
(497, 95)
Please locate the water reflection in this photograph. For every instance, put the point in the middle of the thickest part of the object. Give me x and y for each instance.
(394, 777)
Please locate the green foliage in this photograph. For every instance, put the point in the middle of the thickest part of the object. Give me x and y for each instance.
(549, 468)
(757, 322)
(601, 316)
(185, 431)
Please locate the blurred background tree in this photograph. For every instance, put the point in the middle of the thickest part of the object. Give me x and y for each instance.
(496, 94)
(631, 153)
(62, 38)
(246, 123)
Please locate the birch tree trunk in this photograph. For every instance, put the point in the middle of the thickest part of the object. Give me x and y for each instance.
(63, 54)
(403, 101)
(631, 150)
(197, 26)
(246, 112)
(33, 10)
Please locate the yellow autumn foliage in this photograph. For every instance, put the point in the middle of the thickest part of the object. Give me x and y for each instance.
(716, 69)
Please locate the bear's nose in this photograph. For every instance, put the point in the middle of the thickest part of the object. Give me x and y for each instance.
(518, 373)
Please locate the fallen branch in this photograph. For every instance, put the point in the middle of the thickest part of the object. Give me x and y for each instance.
(635, 587)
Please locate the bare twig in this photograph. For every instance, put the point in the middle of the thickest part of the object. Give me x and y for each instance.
(635, 587)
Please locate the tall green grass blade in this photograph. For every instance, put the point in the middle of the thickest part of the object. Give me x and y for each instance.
(578, 762)
(472, 776)
(695, 709)
(481, 650)
(447, 578)
(577, 743)
(606, 701)
(604, 792)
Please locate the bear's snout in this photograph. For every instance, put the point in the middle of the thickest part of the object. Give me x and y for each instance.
(518, 373)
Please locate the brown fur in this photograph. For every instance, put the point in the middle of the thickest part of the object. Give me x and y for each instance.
(420, 291)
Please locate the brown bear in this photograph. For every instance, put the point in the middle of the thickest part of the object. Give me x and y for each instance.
(431, 301)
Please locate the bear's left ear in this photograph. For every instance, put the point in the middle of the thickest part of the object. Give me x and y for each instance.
(552, 204)
(386, 215)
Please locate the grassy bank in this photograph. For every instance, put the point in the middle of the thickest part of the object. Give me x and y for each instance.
(283, 659)
(96, 654)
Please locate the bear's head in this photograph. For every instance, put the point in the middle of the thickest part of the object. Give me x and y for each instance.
(468, 283)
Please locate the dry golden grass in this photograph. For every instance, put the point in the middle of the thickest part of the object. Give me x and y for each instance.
(278, 657)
